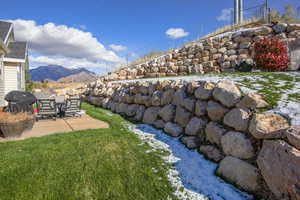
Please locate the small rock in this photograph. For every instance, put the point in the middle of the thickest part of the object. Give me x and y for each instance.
(267, 126)
(227, 93)
(237, 118)
(173, 129)
(182, 116)
(216, 111)
(236, 144)
(293, 135)
(191, 142)
(214, 133)
(253, 101)
(243, 174)
(195, 127)
(211, 152)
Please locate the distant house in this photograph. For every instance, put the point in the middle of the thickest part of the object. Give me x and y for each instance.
(13, 61)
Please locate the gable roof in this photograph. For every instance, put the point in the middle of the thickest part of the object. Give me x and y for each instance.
(17, 50)
(4, 29)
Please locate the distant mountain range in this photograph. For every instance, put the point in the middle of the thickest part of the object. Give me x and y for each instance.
(61, 74)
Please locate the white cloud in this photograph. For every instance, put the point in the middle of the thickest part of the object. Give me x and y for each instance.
(60, 40)
(226, 15)
(117, 47)
(63, 61)
(175, 33)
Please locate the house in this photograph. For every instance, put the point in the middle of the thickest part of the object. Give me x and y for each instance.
(13, 61)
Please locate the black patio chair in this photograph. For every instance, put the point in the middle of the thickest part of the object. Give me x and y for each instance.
(46, 108)
(73, 106)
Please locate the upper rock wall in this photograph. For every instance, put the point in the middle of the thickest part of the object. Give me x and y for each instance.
(213, 55)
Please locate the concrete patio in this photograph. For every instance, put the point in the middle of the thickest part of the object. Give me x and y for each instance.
(49, 126)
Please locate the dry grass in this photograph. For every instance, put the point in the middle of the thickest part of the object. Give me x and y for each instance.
(246, 24)
(56, 85)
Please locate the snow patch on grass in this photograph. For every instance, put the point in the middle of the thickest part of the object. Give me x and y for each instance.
(192, 175)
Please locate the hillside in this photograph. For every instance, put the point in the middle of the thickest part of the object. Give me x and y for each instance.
(54, 72)
(79, 78)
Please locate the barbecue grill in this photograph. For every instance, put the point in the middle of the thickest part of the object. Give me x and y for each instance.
(19, 101)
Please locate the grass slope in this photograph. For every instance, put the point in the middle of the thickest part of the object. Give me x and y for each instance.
(92, 164)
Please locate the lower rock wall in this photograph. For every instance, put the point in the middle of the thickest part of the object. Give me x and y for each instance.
(257, 152)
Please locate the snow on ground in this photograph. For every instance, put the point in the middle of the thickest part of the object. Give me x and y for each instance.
(266, 84)
(192, 175)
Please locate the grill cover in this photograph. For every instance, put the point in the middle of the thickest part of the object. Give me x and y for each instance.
(19, 101)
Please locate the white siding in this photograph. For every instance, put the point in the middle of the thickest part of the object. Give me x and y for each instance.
(2, 101)
(12, 78)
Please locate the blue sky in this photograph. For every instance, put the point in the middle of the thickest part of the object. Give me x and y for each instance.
(139, 26)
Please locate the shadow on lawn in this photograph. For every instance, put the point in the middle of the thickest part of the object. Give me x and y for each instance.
(196, 173)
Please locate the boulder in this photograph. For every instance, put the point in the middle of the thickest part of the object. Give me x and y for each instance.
(179, 97)
(204, 91)
(237, 144)
(211, 153)
(227, 93)
(160, 124)
(182, 116)
(167, 112)
(189, 104)
(238, 118)
(131, 110)
(216, 111)
(214, 133)
(167, 97)
(191, 142)
(279, 165)
(195, 127)
(156, 98)
(267, 126)
(241, 173)
(280, 28)
(252, 101)
(173, 129)
(293, 136)
(150, 115)
(200, 108)
(140, 113)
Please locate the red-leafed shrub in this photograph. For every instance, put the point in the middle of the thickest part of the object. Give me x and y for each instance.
(271, 54)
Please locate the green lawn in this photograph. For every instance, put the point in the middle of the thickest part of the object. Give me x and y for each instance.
(93, 164)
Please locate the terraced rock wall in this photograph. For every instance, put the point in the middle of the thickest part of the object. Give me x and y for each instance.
(214, 55)
(258, 152)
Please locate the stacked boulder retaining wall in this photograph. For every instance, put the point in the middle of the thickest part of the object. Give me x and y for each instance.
(258, 152)
(214, 55)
